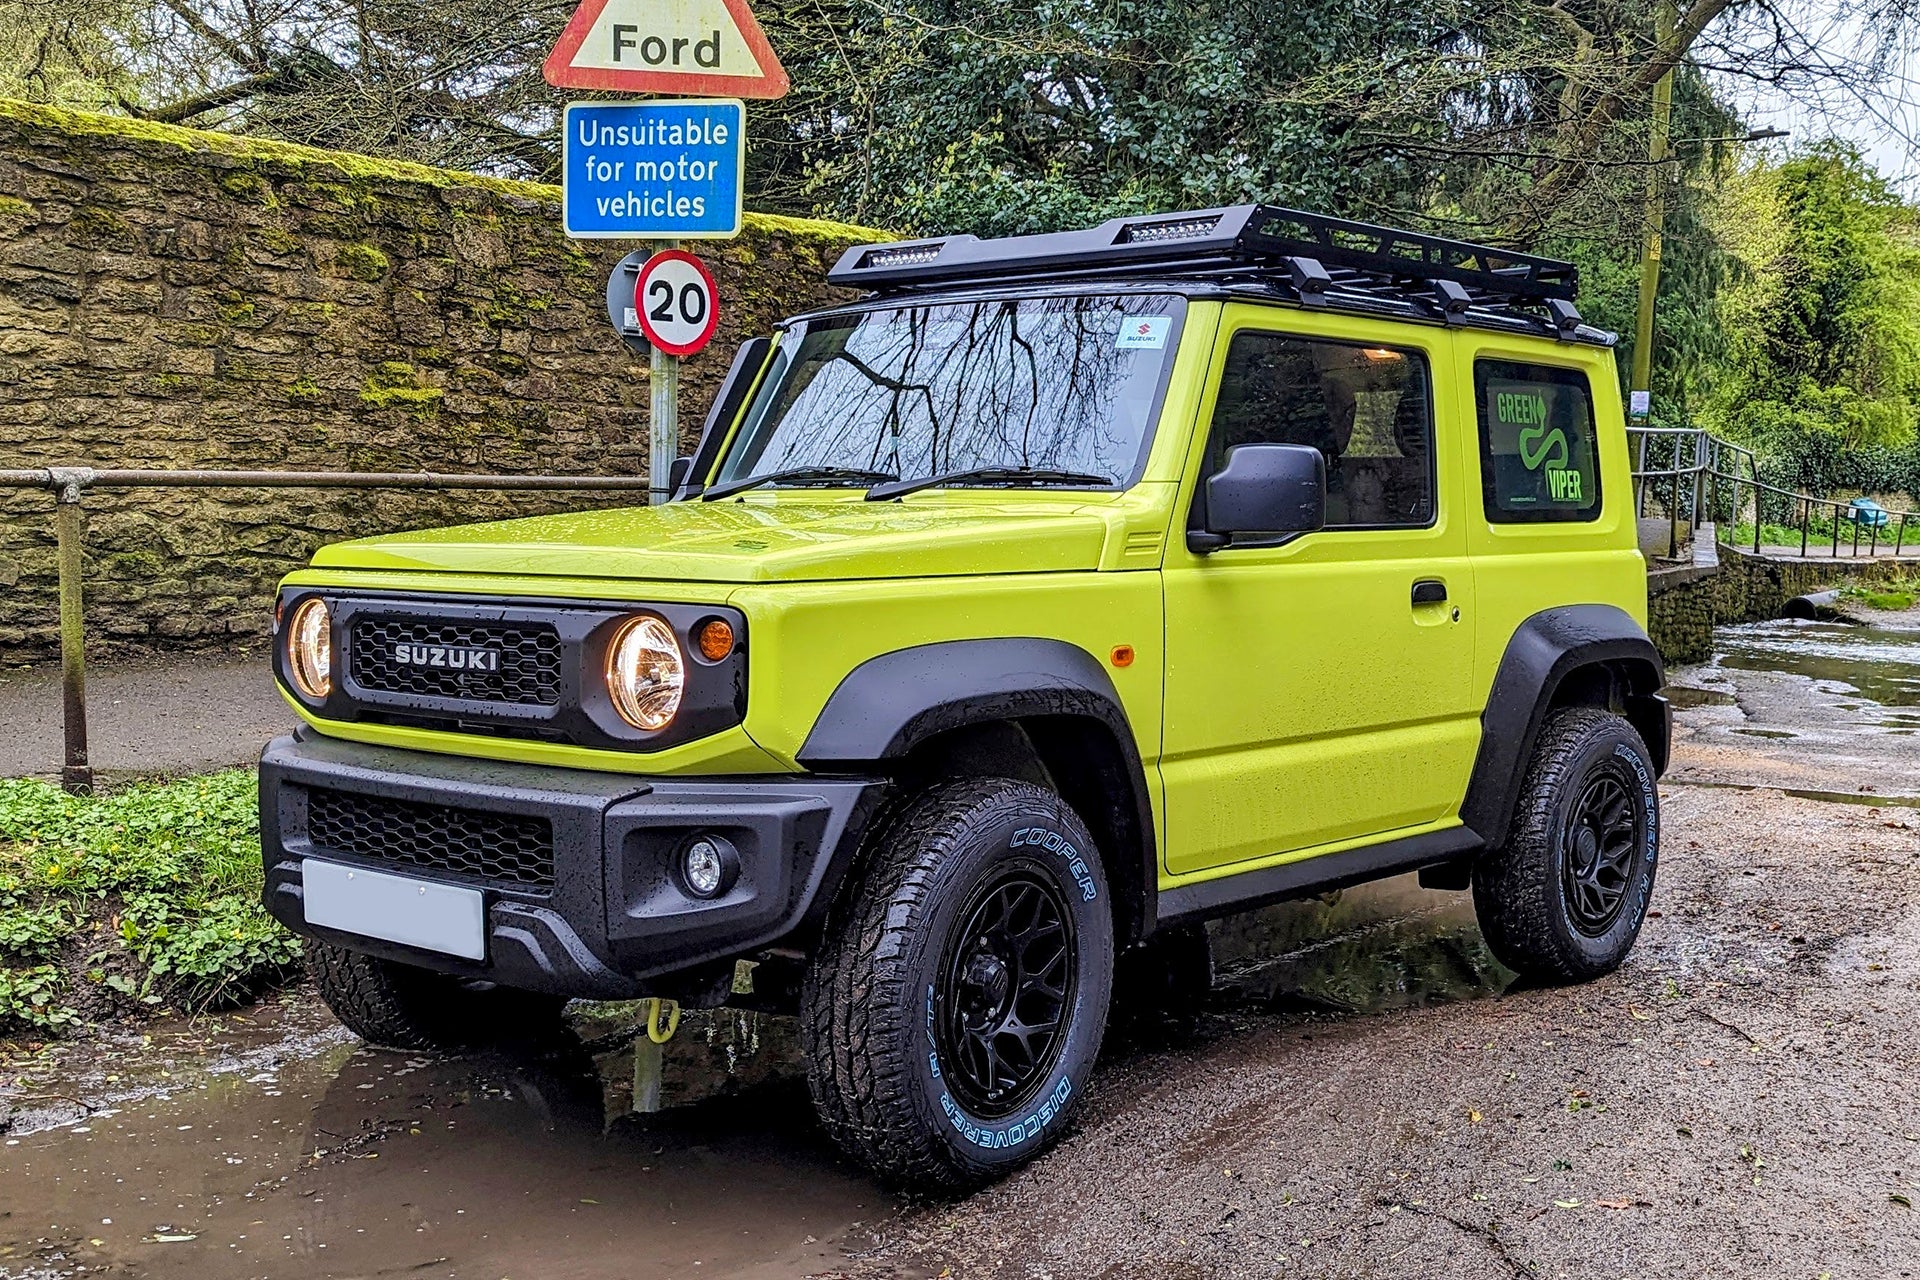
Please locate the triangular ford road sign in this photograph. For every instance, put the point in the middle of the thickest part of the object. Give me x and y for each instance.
(705, 48)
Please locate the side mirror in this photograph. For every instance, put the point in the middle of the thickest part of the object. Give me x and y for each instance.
(677, 473)
(1265, 489)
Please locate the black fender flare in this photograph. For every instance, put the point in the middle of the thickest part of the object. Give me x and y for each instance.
(888, 705)
(1545, 650)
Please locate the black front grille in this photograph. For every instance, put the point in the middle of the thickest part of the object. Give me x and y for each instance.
(525, 672)
(494, 846)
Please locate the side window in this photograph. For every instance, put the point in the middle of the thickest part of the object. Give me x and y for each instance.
(1368, 409)
(1539, 454)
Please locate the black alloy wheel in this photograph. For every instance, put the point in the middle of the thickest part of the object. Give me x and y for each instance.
(1008, 978)
(1563, 896)
(1602, 842)
(954, 1012)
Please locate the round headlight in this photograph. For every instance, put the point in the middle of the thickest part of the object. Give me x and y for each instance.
(310, 649)
(646, 674)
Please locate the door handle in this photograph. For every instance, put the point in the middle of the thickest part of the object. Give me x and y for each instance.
(1429, 591)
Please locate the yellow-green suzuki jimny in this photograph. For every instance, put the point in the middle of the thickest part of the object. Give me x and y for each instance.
(1064, 593)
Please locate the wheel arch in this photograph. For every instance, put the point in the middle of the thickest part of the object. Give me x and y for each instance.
(1039, 709)
(1575, 655)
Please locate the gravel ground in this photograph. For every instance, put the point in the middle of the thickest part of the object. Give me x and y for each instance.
(1736, 1101)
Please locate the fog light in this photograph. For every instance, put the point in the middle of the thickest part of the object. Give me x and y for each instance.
(708, 867)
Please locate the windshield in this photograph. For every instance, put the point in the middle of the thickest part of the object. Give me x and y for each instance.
(1065, 384)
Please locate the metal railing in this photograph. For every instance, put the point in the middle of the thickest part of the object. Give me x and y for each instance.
(1704, 475)
(69, 486)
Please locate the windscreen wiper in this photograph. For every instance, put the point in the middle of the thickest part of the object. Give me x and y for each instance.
(849, 476)
(1009, 477)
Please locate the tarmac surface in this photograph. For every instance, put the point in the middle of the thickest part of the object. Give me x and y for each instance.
(145, 716)
(1367, 1094)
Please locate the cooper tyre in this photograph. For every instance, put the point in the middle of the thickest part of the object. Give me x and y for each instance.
(1564, 898)
(399, 1006)
(953, 1015)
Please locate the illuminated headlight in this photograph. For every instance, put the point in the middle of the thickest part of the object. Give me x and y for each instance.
(310, 649)
(646, 673)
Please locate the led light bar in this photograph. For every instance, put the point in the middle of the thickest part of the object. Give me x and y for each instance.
(912, 255)
(1181, 229)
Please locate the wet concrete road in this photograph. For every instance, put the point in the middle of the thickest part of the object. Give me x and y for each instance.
(146, 716)
(1366, 1095)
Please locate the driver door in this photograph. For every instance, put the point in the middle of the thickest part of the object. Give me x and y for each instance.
(1319, 692)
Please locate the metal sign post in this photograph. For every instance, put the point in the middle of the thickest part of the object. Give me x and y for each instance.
(678, 321)
(663, 443)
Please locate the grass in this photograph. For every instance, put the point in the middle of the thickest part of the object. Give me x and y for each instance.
(1819, 533)
(1773, 535)
(144, 897)
(1893, 595)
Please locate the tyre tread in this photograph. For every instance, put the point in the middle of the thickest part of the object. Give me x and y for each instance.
(856, 1047)
(1511, 890)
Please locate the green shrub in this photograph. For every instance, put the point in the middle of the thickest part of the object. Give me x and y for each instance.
(172, 870)
(30, 998)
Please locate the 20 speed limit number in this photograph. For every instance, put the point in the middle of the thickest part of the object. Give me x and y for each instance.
(678, 302)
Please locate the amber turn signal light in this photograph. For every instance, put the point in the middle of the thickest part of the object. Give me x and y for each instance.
(715, 639)
(1123, 655)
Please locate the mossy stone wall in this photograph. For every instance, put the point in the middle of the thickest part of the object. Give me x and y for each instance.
(171, 298)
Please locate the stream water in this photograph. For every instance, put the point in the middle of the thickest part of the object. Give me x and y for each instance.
(1879, 660)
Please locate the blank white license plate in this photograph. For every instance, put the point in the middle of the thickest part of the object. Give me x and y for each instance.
(433, 917)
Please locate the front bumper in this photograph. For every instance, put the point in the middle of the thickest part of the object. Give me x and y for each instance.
(610, 919)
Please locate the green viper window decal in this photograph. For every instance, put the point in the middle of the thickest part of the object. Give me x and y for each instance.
(1538, 453)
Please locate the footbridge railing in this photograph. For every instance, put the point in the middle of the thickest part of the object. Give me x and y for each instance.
(1693, 477)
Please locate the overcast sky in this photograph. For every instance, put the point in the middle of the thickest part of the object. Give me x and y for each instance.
(1880, 122)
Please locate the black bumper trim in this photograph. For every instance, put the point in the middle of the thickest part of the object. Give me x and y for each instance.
(615, 920)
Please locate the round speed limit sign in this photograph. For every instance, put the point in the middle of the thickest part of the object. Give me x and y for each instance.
(678, 302)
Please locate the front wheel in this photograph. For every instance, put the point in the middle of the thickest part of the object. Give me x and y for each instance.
(400, 1006)
(1563, 899)
(953, 1015)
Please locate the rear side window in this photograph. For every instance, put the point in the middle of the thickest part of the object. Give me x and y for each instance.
(1539, 454)
(1367, 409)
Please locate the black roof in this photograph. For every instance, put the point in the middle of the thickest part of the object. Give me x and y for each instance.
(1280, 254)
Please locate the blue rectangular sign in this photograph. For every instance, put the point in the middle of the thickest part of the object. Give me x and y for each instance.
(671, 170)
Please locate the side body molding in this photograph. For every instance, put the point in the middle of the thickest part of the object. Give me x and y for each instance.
(1574, 641)
(891, 704)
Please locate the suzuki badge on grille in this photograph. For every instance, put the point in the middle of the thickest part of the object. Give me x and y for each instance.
(447, 657)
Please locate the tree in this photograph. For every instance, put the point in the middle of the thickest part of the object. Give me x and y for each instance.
(1824, 320)
(448, 82)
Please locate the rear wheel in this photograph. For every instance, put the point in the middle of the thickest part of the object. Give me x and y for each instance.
(1563, 899)
(953, 1015)
(401, 1006)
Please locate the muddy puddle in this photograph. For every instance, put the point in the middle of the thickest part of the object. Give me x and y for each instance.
(275, 1145)
(349, 1162)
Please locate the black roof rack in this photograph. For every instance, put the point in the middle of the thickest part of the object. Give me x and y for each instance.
(1305, 258)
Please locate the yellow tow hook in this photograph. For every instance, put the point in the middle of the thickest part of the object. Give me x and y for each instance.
(654, 1033)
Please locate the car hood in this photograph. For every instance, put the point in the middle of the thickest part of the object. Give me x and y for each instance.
(784, 540)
